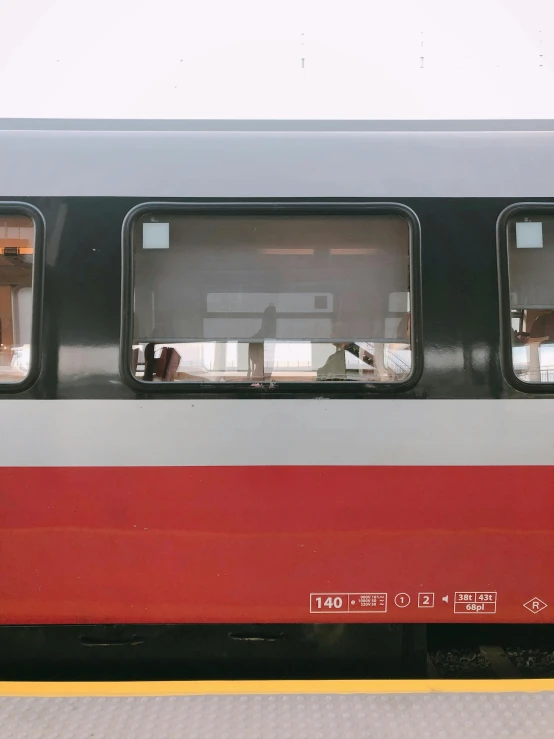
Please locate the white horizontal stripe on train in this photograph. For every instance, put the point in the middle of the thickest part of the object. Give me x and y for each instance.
(186, 164)
(276, 432)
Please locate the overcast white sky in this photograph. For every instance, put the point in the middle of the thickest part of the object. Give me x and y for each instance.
(243, 58)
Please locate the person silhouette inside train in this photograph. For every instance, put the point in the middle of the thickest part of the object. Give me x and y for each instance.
(268, 330)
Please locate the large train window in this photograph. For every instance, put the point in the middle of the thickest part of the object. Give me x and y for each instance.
(528, 231)
(18, 238)
(254, 294)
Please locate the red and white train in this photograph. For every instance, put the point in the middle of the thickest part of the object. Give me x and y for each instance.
(276, 373)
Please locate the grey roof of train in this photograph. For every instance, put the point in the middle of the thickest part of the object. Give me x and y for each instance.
(89, 124)
(276, 159)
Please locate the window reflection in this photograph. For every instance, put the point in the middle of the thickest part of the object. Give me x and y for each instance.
(16, 270)
(282, 361)
(533, 345)
(531, 267)
(271, 299)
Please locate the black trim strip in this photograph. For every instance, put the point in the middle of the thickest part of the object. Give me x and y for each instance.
(271, 207)
(20, 208)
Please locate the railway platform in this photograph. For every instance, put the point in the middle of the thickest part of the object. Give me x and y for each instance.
(407, 709)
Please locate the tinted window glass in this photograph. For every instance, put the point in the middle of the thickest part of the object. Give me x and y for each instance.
(271, 298)
(17, 249)
(531, 270)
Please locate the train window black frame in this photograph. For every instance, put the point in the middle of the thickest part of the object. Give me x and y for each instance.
(506, 356)
(17, 208)
(314, 207)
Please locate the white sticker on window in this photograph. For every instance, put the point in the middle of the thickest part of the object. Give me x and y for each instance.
(155, 236)
(399, 302)
(529, 235)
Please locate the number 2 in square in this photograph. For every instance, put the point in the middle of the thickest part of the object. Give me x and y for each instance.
(426, 600)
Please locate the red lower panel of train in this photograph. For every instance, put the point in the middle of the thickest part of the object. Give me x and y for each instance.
(276, 544)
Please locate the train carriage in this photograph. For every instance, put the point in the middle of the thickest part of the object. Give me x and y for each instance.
(274, 378)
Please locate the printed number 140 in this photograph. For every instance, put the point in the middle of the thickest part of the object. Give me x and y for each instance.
(329, 602)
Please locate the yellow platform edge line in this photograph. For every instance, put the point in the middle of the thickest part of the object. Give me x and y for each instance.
(269, 687)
